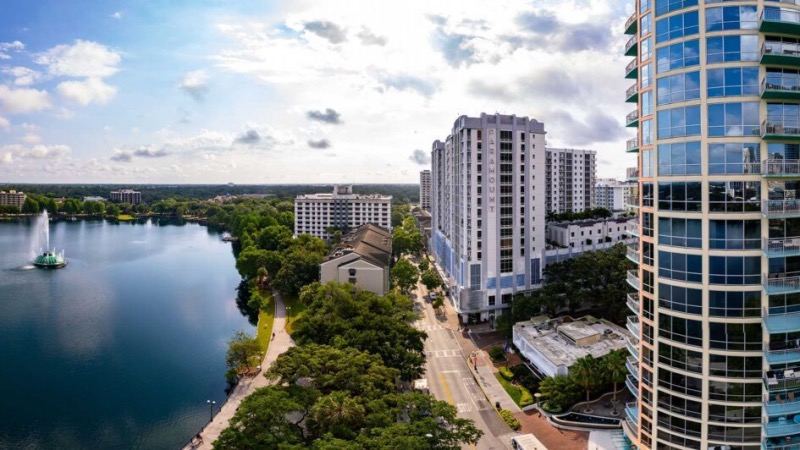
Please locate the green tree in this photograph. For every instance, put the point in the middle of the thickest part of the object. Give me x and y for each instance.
(614, 367)
(241, 349)
(404, 275)
(298, 269)
(424, 264)
(275, 237)
(584, 372)
(430, 278)
(112, 210)
(559, 392)
(338, 414)
(30, 206)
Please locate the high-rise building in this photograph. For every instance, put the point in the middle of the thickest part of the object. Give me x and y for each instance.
(425, 190)
(717, 283)
(321, 215)
(126, 196)
(487, 202)
(12, 198)
(570, 177)
(612, 194)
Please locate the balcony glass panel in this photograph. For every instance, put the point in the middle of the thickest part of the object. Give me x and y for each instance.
(633, 279)
(781, 208)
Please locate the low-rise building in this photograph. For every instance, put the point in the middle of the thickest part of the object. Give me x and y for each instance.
(126, 196)
(12, 198)
(580, 233)
(361, 258)
(93, 198)
(554, 345)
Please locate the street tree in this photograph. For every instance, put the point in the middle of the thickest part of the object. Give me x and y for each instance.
(405, 275)
(430, 278)
(559, 392)
(241, 349)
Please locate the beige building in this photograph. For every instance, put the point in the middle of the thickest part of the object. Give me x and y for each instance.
(341, 209)
(12, 198)
(361, 258)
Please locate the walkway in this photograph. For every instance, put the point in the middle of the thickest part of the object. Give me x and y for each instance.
(246, 386)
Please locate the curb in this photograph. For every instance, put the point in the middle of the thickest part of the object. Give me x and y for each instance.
(485, 394)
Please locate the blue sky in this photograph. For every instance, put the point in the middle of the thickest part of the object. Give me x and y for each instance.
(294, 92)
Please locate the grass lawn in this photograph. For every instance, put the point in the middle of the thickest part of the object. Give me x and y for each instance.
(512, 390)
(264, 334)
(295, 309)
(124, 217)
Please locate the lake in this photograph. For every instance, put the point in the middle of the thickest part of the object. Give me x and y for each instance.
(120, 349)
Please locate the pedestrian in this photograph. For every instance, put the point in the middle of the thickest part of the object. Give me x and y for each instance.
(273, 336)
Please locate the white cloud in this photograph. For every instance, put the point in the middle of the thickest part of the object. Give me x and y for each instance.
(32, 139)
(23, 76)
(117, 15)
(4, 123)
(22, 101)
(195, 84)
(90, 90)
(7, 47)
(80, 59)
(37, 151)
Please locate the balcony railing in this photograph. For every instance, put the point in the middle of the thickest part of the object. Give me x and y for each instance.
(632, 94)
(779, 446)
(777, 284)
(630, 69)
(633, 254)
(632, 119)
(632, 227)
(633, 385)
(781, 86)
(781, 208)
(630, 46)
(783, 53)
(785, 356)
(784, 427)
(632, 411)
(633, 325)
(632, 364)
(632, 146)
(775, 384)
(788, 129)
(781, 168)
(788, 246)
(633, 303)
(633, 279)
(783, 404)
(632, 431)
(632, 349)
(631, 24)
(775, 20)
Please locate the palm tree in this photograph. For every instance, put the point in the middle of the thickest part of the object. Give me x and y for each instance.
(559, 391)
(338, 410)
(614, 367)
(585, 373)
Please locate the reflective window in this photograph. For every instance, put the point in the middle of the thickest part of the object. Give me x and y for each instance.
(677, 122)
(734, 303)
(734, 234)
(734, 392)
(647, 163)
(678, 56)
(735, 336)
(647, 222)
(677, 26)
(665, 6)
(732, 48)
(647, 132)
(735, 366)
(750, 435)
(647, 195)
(784, 303)
(680, 299)
(734, 270)
(679, 358)
(788, 192)
(734, 196)
(680, 196)
(678, 329)
(783, 118)
(680, 232)
(680, 158)
(733, 119)
(680, 88)
(646, 73)
(783, 152)
(646, 24)
(731, 18)
(647, 103)
(679, 405)
(734, 158)
(681, 267)
(732, 81)
(679, 424)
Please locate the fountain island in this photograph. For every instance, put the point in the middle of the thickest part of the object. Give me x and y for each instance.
(47, 259)
(50, 260)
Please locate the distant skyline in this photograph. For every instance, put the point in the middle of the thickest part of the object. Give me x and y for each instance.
(266, 92)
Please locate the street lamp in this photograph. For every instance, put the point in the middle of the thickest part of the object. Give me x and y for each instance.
(538, 397)
(288, 314)
(211, 404)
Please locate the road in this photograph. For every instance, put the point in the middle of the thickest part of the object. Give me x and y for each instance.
(449, 378)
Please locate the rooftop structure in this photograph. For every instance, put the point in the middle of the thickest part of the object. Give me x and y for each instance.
(362, 258)
(579, 233)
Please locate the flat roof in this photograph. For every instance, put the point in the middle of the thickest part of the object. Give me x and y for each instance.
(560, 352)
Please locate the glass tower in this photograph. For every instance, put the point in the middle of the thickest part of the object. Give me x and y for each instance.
(716, 299)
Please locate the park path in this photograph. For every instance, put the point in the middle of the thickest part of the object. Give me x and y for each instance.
(246, 386)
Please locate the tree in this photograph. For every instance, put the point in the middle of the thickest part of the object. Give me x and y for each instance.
(338, 414)
(584, 371)
(405, 275)
(112, 210)
(614, 367)
(559, 391)
(424, 264)
(30, 206)
(241, 348)
(431, 279)
(72, 206)
(299, 268)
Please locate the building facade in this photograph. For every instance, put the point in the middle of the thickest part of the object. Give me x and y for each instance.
(12, 198)
(580, 233)
(321, 214)
(425, 190)
(126, 196)
(612, 195)
(717, 284)
(570, 177)
(361, 258)
(488, 215)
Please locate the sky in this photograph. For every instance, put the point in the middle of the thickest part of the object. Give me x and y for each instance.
(271, 92)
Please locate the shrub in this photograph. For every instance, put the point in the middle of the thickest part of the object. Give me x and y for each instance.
(497, 354)
(551, 408)
(509, 418)
(526, 399)
(506, 373)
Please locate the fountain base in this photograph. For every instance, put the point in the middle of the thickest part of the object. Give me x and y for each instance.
(49, 260)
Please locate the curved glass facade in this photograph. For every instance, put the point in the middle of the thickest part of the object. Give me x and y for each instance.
(717, 290)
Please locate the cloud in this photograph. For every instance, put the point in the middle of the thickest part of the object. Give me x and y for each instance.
(420, 157)
(597, 126)
(320, 144)
(122, 156)
(6, 47)
(404, 82)
(117, 15)
(90, 90)
(249, 137)
(195, 84)
(548, 31)
(369, 38)
(22, 101)
(453, 46)
(326, 30)
(150, 152)
(4, 123)
(23, 76)
(32, 139)
(81, 59)
(37, 151)
(330, 116)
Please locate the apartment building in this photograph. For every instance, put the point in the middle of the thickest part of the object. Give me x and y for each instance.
(580, 233)
(570, 179)
(126, 196)
(321, 214)
(425, 190)
(613, 195)
(362, 258)
(12, 198)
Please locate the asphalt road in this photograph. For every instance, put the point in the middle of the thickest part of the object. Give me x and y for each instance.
(450, 380)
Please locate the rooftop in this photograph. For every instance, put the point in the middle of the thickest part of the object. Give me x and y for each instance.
(372, 242)
(586, 223)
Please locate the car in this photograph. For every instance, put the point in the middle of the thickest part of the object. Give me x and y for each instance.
(432, 296)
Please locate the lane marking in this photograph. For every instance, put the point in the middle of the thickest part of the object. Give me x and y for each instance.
(446, 389)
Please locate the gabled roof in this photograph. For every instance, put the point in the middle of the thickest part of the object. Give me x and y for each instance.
(370, 241)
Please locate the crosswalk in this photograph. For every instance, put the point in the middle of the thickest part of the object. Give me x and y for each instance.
(443, 353)
(424, 326)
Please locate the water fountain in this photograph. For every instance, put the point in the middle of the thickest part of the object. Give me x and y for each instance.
(40, 244)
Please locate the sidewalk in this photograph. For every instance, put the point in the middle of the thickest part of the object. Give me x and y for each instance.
(488, 382)
(246, 386)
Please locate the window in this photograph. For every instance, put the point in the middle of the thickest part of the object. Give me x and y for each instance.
(733, 119)
(731, 48)
(678, 56)
(681, 299)
(678, 122)
(646, 25)
(646, 73)
(735, 366)
(647, 224)
(735, 336)
(732, 81)
(734, 158)
(680, 196)
(731, 18)
(681, 267)
(679, 232)
(680, 425)
(734, 303)
(679, 358)
(647, 132)
(680, 405)
(681, 87)
(734, 270)
(665, 6)
(734, 196)
(734, 392)
(647, 163)
(734, 234)
(677, 26)
(783, 79)
(784, 115)
(678, 329)
(681, 158)
(647, 194)
(645, 49)
(682, 384)
(647, 103)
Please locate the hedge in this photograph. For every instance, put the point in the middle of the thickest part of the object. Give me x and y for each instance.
(510, 420)
(526, 399)
(506, 373)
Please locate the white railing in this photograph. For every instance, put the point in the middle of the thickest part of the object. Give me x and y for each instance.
(779, 384)
(633, 279)
(631, 20)
(780, 207)
(633, 366)
(633, 303)
(631, 42)
(632, 65)
(633, 227)
(781, 15)
(633, 254)
(633, 325)
(776, 284)
(632, 349)
(781, 245)
(779, 167)
(632, 91)
(632, 117)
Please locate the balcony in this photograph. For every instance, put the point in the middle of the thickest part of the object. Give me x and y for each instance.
(780, 54)
(780, 284)
(632, 227)
(776, 209)
(634, 202)
(774, 247)
(779, 168)
(632, 411)
(782, 21)
(632, 119)
(778, 382)
(630, 429)
(769, 445)
(633, 385)
(633, 279)
(783, 427)
(632, 146)
(780, 320)
(785, 356)
(633, 253)
(783, 404)
(633, 303)
(631, 47)
(788, 130)
(632, 349)
(632, 364)
(631, 71)
(632, 94)
(631, 25)
(633, 325)
(781, 86)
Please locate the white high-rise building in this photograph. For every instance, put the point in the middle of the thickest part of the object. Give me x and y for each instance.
(319, 214)
(570, 180)
(425, 190)
(488, 213)
(612, 195)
